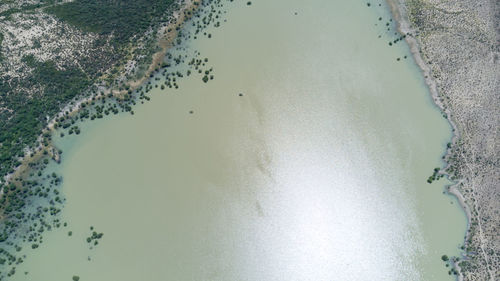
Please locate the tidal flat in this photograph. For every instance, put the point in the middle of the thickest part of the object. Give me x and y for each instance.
(303, 155)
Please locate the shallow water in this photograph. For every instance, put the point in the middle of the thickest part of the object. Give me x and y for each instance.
(318, 172)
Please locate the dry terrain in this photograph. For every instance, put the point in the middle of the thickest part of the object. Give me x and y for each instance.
(456, 44)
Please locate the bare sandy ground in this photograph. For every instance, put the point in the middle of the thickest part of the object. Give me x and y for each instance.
(456, 44)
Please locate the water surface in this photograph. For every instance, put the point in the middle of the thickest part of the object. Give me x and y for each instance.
(318, 172)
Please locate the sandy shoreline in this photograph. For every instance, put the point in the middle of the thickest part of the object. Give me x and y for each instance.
(402, 24)
(165, 41)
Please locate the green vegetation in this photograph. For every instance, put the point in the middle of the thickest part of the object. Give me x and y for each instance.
(26, 8)
(24, 115)
(1, 39)
(94, 237)
(26, 105)
(21, 128)
(123, 19)
(435, 176)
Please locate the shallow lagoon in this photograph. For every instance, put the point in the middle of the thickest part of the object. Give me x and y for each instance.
(318, 172)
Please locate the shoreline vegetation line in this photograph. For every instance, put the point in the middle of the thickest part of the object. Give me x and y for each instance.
(166, 36)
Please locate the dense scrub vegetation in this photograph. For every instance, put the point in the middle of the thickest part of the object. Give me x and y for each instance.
(26, 105)
(23, 122)
(123, 19)
(29, 101)
(32, 201)
(1, 39)
(25, 8)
